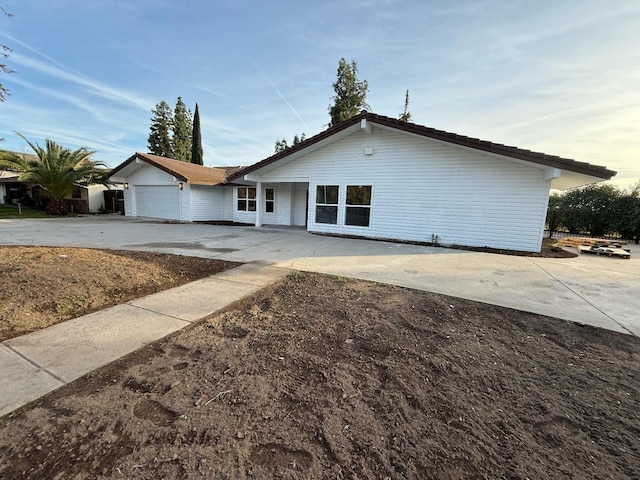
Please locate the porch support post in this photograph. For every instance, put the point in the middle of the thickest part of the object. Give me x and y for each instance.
(258, 204)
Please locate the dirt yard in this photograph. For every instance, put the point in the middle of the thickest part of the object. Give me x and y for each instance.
(324, 377)
(41, 286)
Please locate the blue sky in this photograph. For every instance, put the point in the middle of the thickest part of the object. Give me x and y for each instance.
(561, 77)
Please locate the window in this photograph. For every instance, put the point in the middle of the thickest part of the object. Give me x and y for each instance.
(77, 193)
(269, 200)
(327, 204)
(358, 208)
(247, 199)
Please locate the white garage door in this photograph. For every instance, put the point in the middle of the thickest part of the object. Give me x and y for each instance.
(157, 201)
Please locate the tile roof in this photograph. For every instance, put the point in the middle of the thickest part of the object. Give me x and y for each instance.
(452, 138)
(184, 171)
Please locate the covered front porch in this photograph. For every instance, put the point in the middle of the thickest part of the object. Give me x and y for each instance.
(272, 203)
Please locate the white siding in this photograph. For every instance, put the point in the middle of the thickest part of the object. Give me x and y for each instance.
(227, 209)
(299, 204)
(207, 203)
(239, 215)
(282, 208)
(421, 188)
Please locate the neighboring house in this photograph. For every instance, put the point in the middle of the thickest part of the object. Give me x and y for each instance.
(91, 199)
(374, 177)
(85, 199)
(159, 187)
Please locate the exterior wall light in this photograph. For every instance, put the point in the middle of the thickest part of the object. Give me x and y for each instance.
(181, 186)
(126, 185)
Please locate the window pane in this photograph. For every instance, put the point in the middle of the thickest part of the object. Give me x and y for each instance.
(242, 193)
(359, 195)
(320, 196)
(252, 205)
(327, 215)
(358, 216)
(269, 207)
(332, 194)
(242, 205)
(269, 194)
(251, 192)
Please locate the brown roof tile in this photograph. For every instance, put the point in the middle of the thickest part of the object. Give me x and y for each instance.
(184, 171)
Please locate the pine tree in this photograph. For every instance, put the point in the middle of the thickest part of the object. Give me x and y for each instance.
(282, 145)
(182, 132)
(350, 93)
(196, 140)
(405, 116)
(161, 125)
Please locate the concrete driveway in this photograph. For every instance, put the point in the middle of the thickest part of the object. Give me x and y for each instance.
(594, 290)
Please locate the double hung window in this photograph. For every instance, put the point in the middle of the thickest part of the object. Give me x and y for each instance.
(327, 204)
(358, 205)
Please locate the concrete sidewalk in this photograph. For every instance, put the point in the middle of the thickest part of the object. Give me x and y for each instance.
(37, 363)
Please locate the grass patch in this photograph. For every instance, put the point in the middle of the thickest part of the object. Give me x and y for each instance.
(12, 211)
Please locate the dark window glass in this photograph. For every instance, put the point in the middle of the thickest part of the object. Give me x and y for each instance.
(242, 205)
(269, 194)
(357, 216)
(242, 193)
(252, 205)
(326, 214)
(268, 207)
(251, 192)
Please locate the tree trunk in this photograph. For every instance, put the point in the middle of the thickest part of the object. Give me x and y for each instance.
(56, 207)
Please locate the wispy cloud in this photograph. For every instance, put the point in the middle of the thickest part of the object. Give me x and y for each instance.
(273, 85)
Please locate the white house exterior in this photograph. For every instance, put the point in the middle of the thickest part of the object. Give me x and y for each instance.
(378, 177)
(164, 188)
(373, 177)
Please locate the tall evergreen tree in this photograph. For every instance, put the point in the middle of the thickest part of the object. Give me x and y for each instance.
(196, 140)
(182, 132)
(350, 93)
(161, 125)
(405, 116)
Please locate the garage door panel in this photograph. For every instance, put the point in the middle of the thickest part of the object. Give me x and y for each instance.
(157, 201)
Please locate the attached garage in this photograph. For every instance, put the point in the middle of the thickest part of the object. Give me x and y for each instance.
(157, 201)
(159, 187)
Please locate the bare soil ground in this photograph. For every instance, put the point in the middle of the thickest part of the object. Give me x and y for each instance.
(323, 377)
(41, 286)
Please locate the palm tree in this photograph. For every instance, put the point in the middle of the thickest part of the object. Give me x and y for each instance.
(58, 171)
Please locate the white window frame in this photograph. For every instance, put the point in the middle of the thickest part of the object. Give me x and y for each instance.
(246, 199)
(271, 202)
(348, 205)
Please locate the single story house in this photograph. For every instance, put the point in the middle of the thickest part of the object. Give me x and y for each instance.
(159, 187)
(374, 177)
